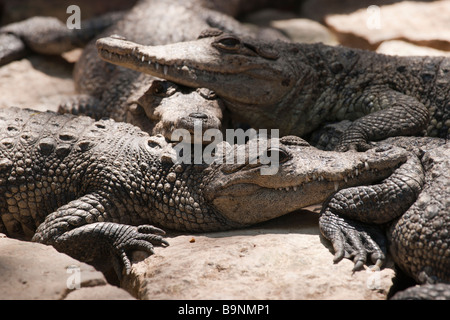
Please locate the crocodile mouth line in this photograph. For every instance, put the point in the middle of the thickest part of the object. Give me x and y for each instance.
(338, 180)
(143, 62)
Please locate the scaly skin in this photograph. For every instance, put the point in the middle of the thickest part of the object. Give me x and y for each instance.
(411, 206)
(122, 94)
(298, 87)
(90, 188)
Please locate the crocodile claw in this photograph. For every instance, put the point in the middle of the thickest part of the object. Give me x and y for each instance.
(131, 238)
(353, 239)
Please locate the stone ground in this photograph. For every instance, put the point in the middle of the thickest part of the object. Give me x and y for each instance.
(34, 271)
(283, 259)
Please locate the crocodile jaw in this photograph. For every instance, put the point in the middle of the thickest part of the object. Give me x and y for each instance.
(308, 178)
(196, 64)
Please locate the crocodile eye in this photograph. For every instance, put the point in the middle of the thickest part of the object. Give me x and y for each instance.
(162, 88)
(277, 154)
(228, 43)
(153, 144)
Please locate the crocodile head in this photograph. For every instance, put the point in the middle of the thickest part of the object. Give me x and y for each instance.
(305, 176)
(239, 71)
(161, 107)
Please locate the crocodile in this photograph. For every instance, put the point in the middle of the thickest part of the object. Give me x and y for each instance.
(407, 213)
(96, 190)
(296, 87)
(106, 90)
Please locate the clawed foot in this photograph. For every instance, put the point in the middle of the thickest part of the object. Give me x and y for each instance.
(353, 240)
(360, 146)
(131, 238)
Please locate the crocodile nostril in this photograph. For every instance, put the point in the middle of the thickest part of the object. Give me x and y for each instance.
(198, 115)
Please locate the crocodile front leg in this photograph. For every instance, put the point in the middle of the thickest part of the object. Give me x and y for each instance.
(81, 230)
(48, 35)
(389, 113)
(11, 48)
(350, 218)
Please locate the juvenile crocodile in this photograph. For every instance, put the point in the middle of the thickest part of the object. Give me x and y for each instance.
(296, 87)
(412, 206)
(125, 95)
(89, 188)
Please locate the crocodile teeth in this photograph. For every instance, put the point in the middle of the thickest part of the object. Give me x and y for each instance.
(295, 188)
(143, 59)
(166, 68)
(149, 62)
(345, 179)
(336, 186)
(156, 65)
(366, 165)
(287, 188)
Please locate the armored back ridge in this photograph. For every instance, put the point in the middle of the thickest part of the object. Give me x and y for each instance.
(89, 187)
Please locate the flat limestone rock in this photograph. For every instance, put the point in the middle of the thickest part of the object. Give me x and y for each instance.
(305, 31)
(37, 82)
(33, 271)
(318, 9)
(283, 259)
(402, 48)
(421, 23)
(296, 29)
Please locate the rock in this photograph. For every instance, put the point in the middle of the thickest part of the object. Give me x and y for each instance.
(30, 271)
(305, 31)
(402, 48)
(318, 9)
(282, 259)
(293, 27)
(421, 23)
(72, 56)
(37, 82)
